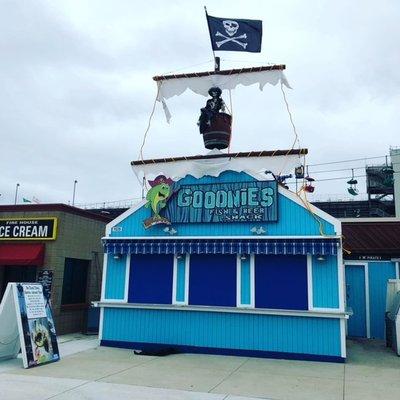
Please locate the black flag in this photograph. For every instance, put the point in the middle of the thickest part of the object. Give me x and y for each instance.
(228, 34)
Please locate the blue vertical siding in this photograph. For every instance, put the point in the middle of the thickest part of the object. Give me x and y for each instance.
(378, 274)
(293, 219)
(245, 287)
(115, 278)
(325, 282)
(180, 278)
(355, 293)
(244, 331)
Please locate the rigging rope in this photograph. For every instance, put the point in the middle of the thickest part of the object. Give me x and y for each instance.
(296, 136)
(304, 200)
(149, 123)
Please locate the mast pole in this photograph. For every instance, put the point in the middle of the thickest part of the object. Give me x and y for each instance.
(217, 60)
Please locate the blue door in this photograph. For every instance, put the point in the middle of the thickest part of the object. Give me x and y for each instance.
(355, 295)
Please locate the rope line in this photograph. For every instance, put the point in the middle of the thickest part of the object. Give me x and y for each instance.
(149, 123)
(296, 136)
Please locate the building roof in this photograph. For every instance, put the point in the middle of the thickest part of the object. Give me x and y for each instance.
(372, 237)
(53, 207)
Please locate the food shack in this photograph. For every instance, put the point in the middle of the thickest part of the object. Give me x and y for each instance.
(220, 258)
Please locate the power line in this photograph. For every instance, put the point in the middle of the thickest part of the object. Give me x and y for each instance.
(344, 161)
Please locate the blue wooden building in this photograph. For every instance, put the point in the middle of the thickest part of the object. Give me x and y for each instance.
(230, 263)
(374, 254)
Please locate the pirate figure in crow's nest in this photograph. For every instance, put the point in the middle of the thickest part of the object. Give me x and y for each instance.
(213, 107)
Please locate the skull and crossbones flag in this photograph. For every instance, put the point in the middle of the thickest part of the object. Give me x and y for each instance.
(235, 34)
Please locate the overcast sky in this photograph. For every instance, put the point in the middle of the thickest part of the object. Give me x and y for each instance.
(76, 88)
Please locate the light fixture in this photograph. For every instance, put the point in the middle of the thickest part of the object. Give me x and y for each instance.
(179, 256)
(243, 256)
(321, 258)
(117, 256)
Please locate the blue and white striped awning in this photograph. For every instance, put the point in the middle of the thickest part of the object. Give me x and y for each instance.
(323, 246)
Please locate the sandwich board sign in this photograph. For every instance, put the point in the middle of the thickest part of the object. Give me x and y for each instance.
(26, 324)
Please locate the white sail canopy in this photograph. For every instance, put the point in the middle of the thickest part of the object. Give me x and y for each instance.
(200, 83)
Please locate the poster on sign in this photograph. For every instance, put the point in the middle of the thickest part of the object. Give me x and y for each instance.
(32, 323)
(45, 277)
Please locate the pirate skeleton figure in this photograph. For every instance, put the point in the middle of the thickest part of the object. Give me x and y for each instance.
(212, 108)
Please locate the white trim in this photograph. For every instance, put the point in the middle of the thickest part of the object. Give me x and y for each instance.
(104, 280)
(310, 290)
(367, 316)
(101, 323)
(255, 237)
(104, 277)
(174, 279)
(238, 281)
(372, 219)
(252, 281)
(343, 338)
(232, 310)
(127, 274)
(187, 272)
(366, 286)
(124, 215)
(310, 293)
(397, 268)
(341, 279)
(325, 216)
(349, 262)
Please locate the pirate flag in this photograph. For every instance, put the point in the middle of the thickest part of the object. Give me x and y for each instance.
(235, 34)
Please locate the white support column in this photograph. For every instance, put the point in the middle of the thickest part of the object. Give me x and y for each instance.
(103, 277)
(127, 274)
(341, 279)
(252, 281)
(187, 273)
(238, 281)
(310, 283)
(174, 279)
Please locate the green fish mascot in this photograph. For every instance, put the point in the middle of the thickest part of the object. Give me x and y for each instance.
(157, 198)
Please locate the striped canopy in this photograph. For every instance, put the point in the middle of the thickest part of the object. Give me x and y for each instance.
(323, 246)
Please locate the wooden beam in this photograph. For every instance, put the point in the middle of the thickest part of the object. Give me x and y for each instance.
(223, 72)
(262, 153)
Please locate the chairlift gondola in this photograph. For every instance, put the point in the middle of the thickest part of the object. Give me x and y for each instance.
(309, 184)
(299, 172)
(352, 189)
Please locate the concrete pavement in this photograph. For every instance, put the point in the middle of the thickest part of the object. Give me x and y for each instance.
(372, 371)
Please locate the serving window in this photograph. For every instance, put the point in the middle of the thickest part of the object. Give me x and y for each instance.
(212, 280)
(281, 282)
(151, 278)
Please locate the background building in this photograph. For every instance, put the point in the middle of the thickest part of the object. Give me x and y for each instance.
(63, 240)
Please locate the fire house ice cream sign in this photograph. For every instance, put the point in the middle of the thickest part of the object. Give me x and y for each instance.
(28, 228)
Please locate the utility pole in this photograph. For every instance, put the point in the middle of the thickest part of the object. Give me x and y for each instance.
(16, 193)
(73, 195)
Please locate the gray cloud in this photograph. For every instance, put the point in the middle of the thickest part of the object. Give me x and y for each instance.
(77, 89)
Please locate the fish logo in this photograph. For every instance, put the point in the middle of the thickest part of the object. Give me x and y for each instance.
(157, 197)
